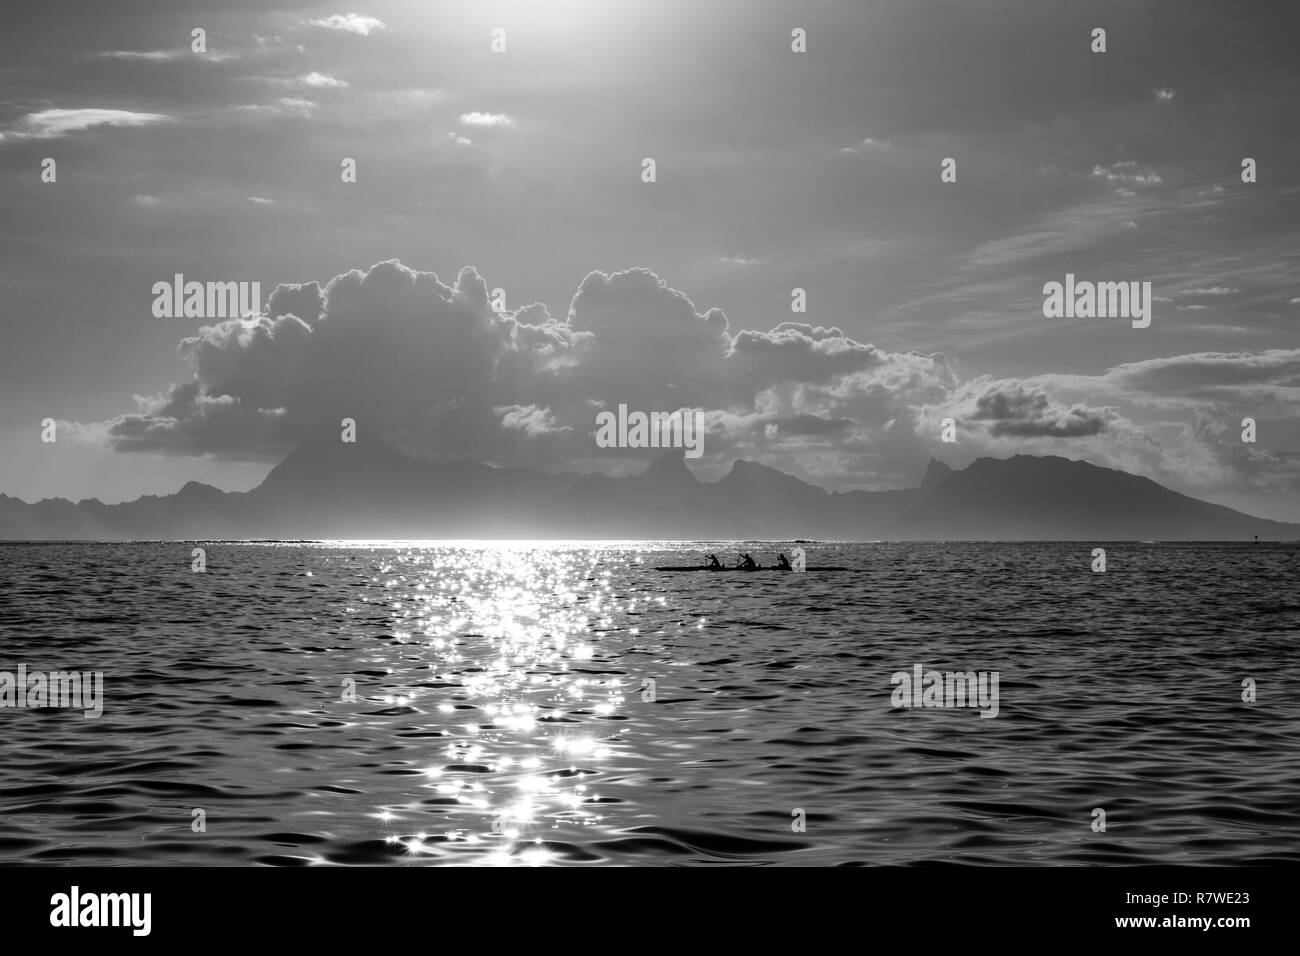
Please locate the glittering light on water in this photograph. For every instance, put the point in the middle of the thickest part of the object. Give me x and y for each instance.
(504, 638)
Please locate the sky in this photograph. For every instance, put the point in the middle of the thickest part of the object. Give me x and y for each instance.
(521, 170)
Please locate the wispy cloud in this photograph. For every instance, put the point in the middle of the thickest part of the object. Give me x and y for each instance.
(869, 145)
(1126, 175)
(1080, 226)
(292, 105)
(144, 54)
(160, 56)
(48, 124)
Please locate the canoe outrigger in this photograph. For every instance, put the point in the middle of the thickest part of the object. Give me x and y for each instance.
(744, 562)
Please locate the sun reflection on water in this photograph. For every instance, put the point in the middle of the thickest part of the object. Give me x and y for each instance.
(496, 657)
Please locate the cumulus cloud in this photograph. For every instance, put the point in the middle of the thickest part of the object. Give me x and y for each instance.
(390, 346)
(530, 419)
(323, 81)
(350, 23)
(486, 119)
(1028, 413)
(436, 369)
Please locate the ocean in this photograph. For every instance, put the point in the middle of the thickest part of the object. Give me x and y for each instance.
(411, 704)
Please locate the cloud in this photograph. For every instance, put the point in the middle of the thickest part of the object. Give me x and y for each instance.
(486, 119)
(1127, 174)
(323, 81)
(163, 56)
(142, 199)
(435, 369)
(1191, 399)
(390, 346)
(868, 146)
(261, 201)
(48, 124)
(1212, 290)
(1266, 381)
(807, 425)
(1164, 94)
(1083, 225)
(529, 419)
(350, 23)
(285, 106)
(156, 55)
(1028, 413)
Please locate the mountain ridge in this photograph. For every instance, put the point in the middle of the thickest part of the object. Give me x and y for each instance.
(325, 488)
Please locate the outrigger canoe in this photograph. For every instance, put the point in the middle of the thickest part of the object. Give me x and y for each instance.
(706, 567)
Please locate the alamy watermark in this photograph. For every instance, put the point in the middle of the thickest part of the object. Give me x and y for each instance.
(683, 428)
(179, 299)
(79, 690)
(922, 688)
(77, 909)
(1098, 300)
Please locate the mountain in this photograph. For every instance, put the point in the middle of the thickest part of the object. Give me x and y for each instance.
(1050, 498)
(935, 473)
(368, 489)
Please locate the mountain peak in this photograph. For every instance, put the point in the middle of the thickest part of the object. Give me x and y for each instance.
(935, 472)
(323, 451)
(198, 488)
(743, 466)
(749, 477)
(670, 466)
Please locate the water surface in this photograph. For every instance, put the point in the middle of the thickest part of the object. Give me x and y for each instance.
(500, 711)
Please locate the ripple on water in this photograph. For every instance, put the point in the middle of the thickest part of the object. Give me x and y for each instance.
(563, 705)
